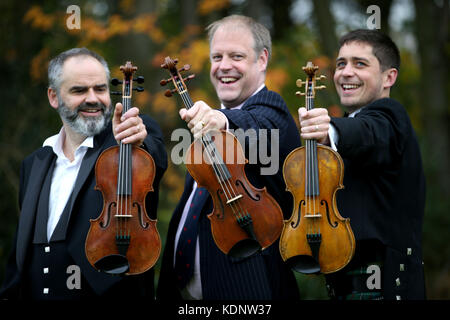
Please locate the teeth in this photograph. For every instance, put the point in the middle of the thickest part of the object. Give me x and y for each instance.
(90, 110)
(350, 86)
(226, 80)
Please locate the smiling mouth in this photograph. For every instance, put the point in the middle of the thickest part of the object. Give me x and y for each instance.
(227, 80)
(350, 86)
(91, 111)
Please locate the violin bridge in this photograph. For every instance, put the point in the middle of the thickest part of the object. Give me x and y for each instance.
(313, 215)
(234, 199)
(123, 216)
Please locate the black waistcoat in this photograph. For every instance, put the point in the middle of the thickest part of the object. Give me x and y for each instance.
(50, 272)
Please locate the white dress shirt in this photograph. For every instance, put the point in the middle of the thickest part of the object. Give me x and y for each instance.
(64, 176)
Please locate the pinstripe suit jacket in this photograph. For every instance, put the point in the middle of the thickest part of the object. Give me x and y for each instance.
(264, 275)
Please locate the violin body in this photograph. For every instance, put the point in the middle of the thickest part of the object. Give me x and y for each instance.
(337, 244)
(316, 238)
(145, 245)
(265, 213)
(123, 239)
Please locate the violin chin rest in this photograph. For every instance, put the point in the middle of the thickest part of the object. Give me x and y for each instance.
(115, 264)
(303, 264)
(244, 249)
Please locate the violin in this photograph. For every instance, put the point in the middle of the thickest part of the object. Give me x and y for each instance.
(123, 239)
(244, 219)
(316, 238)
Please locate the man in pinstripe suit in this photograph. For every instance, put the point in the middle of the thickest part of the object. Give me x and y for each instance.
(240, 49)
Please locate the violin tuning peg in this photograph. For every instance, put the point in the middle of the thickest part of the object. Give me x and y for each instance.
(169, 93)
(190, 77)
(298, 93)
(320, 87)
(139, 89)
(299, 83)
(115, 81)
(163, 82)
(139, 79)
(116, 93)
(186, 67)
(321, 77)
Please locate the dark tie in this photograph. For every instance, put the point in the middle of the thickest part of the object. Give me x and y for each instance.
(185, 254)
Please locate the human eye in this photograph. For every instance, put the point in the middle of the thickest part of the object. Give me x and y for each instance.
(238, 56)
(101, 88)
(340, 64)
(360, 64)
(77, 90)
(216, 57)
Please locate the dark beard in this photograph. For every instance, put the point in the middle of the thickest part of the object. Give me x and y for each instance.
(86, 127)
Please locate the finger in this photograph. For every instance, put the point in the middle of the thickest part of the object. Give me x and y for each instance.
(134, 135)
(128, 128)
(192, 112)
(137, 138)
(182, 113)
(133, 112)
(117, 112)
(302, 113)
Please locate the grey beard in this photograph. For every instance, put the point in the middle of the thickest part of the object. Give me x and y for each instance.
(85, 126)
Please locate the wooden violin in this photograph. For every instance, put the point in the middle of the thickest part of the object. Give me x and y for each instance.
(316, 238)
(244, 219)
(123, 239)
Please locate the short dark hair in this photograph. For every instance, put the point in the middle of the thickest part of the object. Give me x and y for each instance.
(56, 64)
(383, 48)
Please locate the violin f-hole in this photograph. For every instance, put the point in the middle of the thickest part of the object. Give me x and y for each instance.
(254, 197)
(144, 224)
(108, 216)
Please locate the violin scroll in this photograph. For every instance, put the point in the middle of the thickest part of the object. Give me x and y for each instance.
(178, 81)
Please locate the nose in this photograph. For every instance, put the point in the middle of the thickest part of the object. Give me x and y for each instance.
(348, 70)
(91, 97)
(225, 63)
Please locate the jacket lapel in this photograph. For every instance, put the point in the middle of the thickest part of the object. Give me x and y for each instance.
(38, 172)
(87, 165)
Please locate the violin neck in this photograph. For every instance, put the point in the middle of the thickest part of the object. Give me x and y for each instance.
(215, 158)
(311, 165)
(125, 158)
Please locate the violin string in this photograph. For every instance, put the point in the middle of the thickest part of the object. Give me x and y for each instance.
(128, 165)
(218, 170)
(220, 174)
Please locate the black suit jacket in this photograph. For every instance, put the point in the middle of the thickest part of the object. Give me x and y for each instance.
(264, 275)
(384, 193)
(85, 204)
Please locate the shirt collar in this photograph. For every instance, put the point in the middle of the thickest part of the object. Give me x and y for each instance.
(240, 106)
(56, 143)
(354, 113)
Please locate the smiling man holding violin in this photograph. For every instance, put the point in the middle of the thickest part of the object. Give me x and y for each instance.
(384, 184)
(239, 54)
(57, 195)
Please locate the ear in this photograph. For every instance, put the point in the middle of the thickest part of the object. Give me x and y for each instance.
(263, 59)
(52, 98)
(390, 76)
